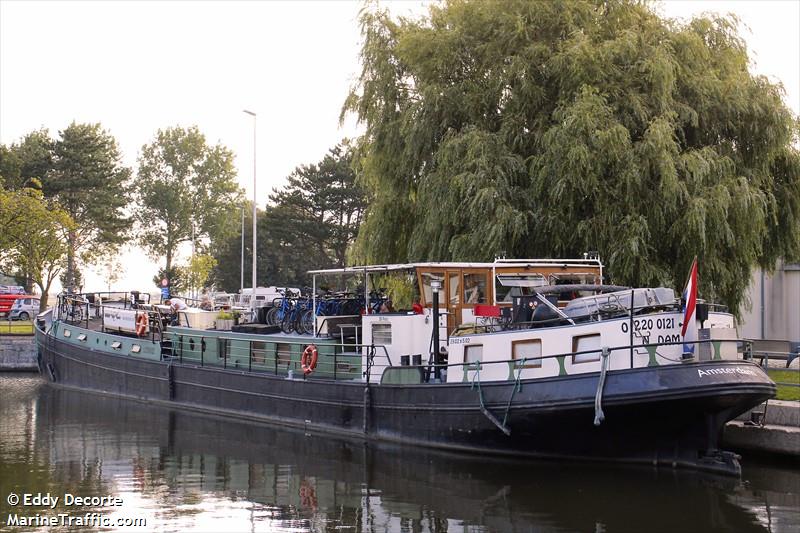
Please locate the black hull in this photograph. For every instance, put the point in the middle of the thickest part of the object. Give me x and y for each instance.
(671, 415)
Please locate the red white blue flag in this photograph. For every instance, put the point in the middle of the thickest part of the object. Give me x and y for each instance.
(689, 329)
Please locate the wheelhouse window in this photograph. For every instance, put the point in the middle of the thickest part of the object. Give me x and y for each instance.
(382, 333)
(529, 350)
(427, 292)
(475, 288)
(583, 343)
(454, 290)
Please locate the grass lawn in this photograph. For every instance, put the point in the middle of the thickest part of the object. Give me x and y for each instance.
(16, 327)
(786, 392)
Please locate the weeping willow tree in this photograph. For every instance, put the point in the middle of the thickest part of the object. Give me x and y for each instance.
(546, 129)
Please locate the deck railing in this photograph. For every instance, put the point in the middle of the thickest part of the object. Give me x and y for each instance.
(356, 361)
(274, 355)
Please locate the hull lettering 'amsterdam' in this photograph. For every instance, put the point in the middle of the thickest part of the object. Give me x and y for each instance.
(531, 358)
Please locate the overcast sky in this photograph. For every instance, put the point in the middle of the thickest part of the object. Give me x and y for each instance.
(139, 66)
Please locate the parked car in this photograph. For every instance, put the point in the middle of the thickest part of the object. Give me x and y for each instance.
(24, 308)
(12, 289)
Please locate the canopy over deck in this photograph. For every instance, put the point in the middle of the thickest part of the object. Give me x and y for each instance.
(500, 263)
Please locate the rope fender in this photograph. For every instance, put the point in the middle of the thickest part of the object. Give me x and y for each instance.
(598, 397)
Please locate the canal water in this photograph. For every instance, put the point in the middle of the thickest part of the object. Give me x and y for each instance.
(72, 460)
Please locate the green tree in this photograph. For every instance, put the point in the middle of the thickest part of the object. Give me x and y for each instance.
(309, 223)
(321, 208)
(34, 236)
(89, 181)
(176, 277)
(31, 158)
(552, 128)
(226, 274)
(199, 270)
(187, 190)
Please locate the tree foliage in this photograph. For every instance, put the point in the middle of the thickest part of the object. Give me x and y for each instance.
(34, 236)
(321, 208)
(186, 189)
(90, 183)
(199, 269)
(309, 223)
(552, 128)
(176, 277)
(31, 159)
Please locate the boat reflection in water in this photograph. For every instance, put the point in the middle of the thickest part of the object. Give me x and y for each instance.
(183, 471)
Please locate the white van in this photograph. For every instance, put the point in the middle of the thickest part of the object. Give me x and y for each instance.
(24, 309)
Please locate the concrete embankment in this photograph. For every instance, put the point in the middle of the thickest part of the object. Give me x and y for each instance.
(780, 434)
(17, 353)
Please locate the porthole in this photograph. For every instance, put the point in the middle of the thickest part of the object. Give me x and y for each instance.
(67, 333)
(136, 348)
(116, 345)
(82, 337)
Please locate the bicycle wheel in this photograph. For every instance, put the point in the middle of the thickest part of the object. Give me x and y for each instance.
(350, 307)
(287, 324)
(307, 323)
(272, 316)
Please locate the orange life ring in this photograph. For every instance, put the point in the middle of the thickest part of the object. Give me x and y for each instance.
(309, 360)
(141, 324)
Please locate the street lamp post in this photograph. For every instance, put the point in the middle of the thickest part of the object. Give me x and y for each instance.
(241, 278)
(253, 294)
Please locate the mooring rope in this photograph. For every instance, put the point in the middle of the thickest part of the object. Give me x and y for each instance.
(488, 414)
(517, 386)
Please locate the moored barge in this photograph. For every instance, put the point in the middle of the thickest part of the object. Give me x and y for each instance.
(522, 358)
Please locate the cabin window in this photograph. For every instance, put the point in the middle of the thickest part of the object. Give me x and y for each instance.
(583, 343)
(510, 286)
(283, 352)
(381, 333)
(258, 351)
(531, 350)
(116, 345)
(136, 348)
(82, 337)
(454, 289)
(67, 333)
(475, 288)
(427, 292)
(473, 353)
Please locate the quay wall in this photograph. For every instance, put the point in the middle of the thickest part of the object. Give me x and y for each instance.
(17, 353)
(779, 435)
